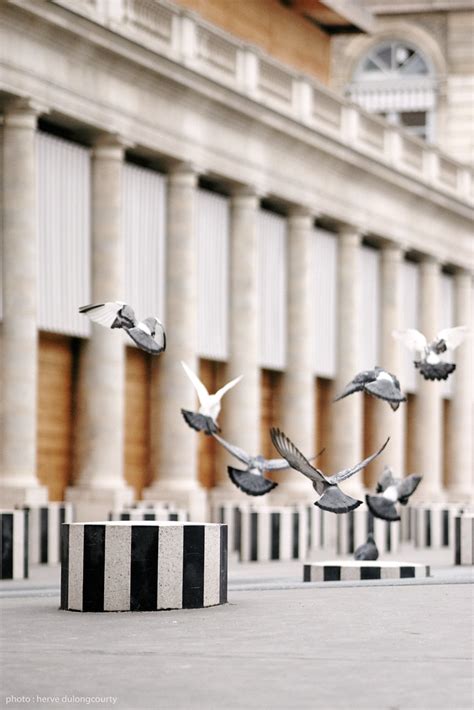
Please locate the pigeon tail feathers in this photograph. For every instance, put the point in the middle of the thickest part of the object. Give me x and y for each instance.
(199, 422)
(382, 508)
(250, 483)
(335, 501)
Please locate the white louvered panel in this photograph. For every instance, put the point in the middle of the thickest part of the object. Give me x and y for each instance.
(144, 205)
(447, 321)
(410, 319)
(1, 230)
(212, 244)
(64, 235)
(325, 296)
(370, 348)
(272, 289)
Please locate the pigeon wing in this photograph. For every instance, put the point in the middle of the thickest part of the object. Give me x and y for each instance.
(239, 454)
(411, 338)
(160, 337)
(221, 392)
(386, 390)
(202, 393)
(407, 486)
(348, 472)
(106, 313)
(275, 464)
(385, 480)
(357, 384)
(453, 336)
(295, 458)
(145, 341)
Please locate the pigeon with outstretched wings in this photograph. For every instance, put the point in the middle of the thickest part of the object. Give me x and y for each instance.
(205, 419)
(428, 358)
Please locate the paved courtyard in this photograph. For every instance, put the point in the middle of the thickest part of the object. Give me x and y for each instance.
(278, 644)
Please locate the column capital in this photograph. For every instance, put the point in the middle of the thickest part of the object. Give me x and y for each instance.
(22, 113)
(392, 251)
(109, 145)
(301, 211)
(184, 174)
(248, 195)
(430, 260)
(350, 234)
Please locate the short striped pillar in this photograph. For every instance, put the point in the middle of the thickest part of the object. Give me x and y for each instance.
(433, 524)
(322, 528)
(406, 534)
(273, 533)
(230, 514)
(143, 566)
(14, 544)
(357, 570)
(150, 513)
(44, 536)
(353, 528)
(464, 539)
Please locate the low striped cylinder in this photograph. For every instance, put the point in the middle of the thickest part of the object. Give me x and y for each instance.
(406, 534)
(143, 566)
(230, 514)
(464, 539)
(353, 528)
(322, 528)
(357, 570)
(150, 513)
(153, 504)
(14, 544)
(273, 533)
(433, 524)
(44, 536)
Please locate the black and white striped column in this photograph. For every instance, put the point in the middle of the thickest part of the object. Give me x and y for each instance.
(44, 536)
(433, 524)
(357, 570)
(150, 513)
(353, 528)
(13, 544)
(464, 539)
(143, 566)
(273, 533)
(230, 514)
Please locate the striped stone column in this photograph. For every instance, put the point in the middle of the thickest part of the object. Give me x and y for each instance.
(460, 421)
(428, 405)
(240, 418)
(19, 362)
(346, 440)
(100, 484)
(298, 400)
(174, 452)
(386, 421)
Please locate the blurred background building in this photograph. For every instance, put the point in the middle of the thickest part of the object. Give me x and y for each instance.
(282, 183)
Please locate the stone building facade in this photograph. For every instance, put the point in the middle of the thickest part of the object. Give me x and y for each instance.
(280, 232)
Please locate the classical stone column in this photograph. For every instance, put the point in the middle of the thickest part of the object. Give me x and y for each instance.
(240, 418)
(298, 400)
(386, 421)
(428, 405)
(174, 458)
(19, 361)
(460, 423)
(346, 440)
(100, 484)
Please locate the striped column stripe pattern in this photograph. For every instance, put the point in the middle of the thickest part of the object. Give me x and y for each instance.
(14, 544)
(433, 525)
(150, 513)
(353, 528)
(322, 528)
(273, 533)
(230, 514)
(143, 566)
(44, 536)
(355, 570)
(464, 539)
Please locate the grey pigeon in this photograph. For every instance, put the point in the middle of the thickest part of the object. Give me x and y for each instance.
(427, 355)
(332, 498)
(390, 491)
(149, 334)
(210, 404)
(367, 551)
(377, 382)
(251, 480)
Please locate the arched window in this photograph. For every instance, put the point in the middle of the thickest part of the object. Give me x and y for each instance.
(396, 81)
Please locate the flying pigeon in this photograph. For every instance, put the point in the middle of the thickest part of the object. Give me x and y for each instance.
(251, 480)
(367, 551)
(389, 491)
(428, 360)
(377, 382)
(148, 334)
(332, 498)
(206, 418)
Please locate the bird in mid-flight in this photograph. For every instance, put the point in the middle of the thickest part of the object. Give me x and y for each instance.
(389, 491)
(428, 358)
(377, 382)
(331, 498)
(252, 479)
(149, 335)
(210, 404)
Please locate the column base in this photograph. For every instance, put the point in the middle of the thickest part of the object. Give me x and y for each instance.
(11, 495)
(91, 504)
(194, 500)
